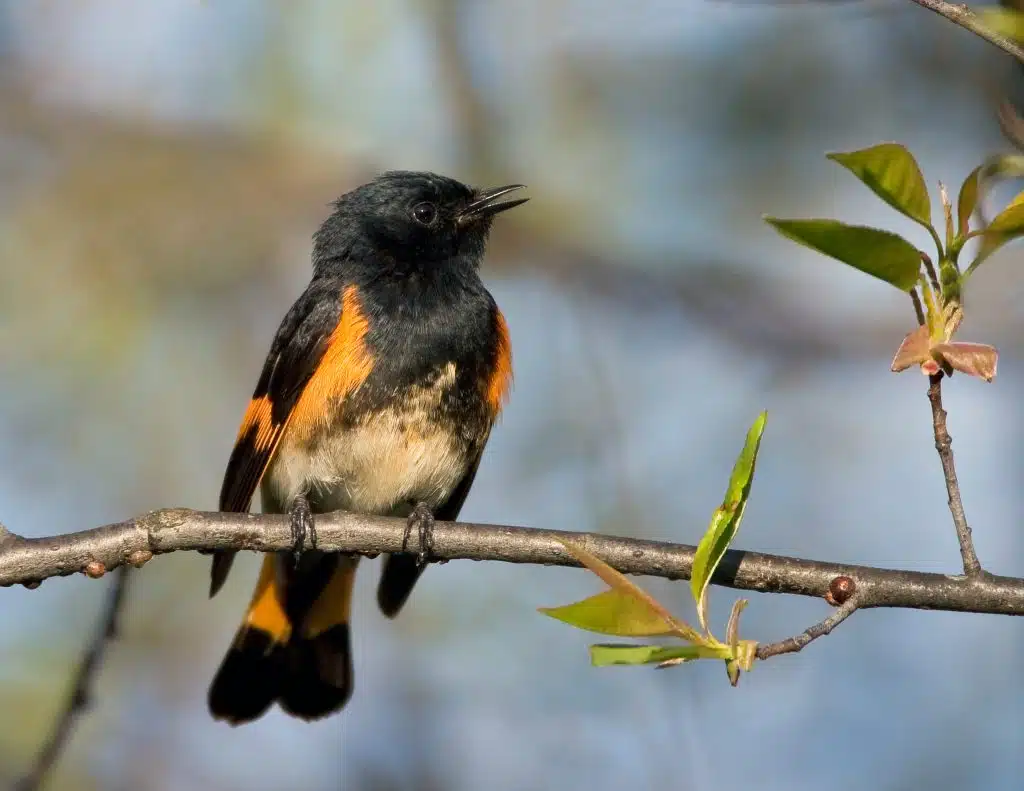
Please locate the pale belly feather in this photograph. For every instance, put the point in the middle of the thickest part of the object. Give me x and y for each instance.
(383, 464)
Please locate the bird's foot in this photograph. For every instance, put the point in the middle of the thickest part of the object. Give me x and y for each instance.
(422, 520)
(303, 529)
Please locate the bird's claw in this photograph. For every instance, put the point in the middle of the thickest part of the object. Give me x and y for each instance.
(422, 519)
(302, 527)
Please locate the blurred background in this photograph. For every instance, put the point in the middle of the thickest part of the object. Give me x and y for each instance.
(163, 166)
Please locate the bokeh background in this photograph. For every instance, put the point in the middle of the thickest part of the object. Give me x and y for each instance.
(162, 168)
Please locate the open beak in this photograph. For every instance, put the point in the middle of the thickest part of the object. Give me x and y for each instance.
(486, 204)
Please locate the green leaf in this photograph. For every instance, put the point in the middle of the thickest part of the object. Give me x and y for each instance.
(967, 201)
(876, 252)
(891, 172)
(1005, 227)
(613, 612)
(1010, 220)
(743, 469)
(726, 521)
(720, 522)
(604, 655)
(621, 583)
(1004, 21)
(732, 631)
(743, 658)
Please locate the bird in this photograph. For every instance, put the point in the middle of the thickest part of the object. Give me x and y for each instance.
(379, 393)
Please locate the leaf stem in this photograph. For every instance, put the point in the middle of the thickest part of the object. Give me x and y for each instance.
(918, 307)
(933, 275)
(974, 265)
(938, 242)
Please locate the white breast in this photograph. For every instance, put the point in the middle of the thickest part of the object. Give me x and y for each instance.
(378, 466)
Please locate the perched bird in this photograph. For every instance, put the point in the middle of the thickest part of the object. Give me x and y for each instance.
(378, 396)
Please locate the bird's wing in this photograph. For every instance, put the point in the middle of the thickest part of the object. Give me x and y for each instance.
(319, 353)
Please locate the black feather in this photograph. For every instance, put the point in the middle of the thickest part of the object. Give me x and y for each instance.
(297, 350)
(319, 677)
(249, 679)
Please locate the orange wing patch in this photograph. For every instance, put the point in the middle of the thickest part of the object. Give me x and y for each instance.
(500, 383)
(257, 440)
(344, 367)
(258, 416)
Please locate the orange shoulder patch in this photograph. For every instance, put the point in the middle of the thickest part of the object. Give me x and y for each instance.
(500, 383)
(345, 365)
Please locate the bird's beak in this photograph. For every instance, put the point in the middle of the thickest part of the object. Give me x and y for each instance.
(484, 204)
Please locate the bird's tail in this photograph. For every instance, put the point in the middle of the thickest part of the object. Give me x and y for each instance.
(293, 646)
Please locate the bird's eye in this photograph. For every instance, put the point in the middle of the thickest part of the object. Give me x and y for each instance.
(424, 213)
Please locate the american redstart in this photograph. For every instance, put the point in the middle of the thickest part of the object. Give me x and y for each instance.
(378, 396)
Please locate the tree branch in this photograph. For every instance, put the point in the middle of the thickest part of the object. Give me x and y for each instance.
(791, 645)
(28, 561)
(81, 689)
(944, 445)
(964, 17)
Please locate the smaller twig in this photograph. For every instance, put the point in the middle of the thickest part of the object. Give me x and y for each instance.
(78, 700)
(918, 307)
(944, 445)
(793, 644)
(967, 19)
(933, 276)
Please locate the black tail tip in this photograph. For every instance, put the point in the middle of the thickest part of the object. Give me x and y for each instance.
(319, 678)
(249, 679)
(310, 678)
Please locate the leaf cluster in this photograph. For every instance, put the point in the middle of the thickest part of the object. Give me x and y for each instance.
(890, 171)
(626, 610)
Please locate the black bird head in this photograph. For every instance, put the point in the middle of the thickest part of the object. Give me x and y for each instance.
(405, 222)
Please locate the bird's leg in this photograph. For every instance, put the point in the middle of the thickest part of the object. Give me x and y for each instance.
(302, 526)
(422, 519)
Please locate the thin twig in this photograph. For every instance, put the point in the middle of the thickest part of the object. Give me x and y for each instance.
(964, 17)
(918, 307)
(944, 445)
(793, 644)
(25, 560)
(933, 275)
(79, 698)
